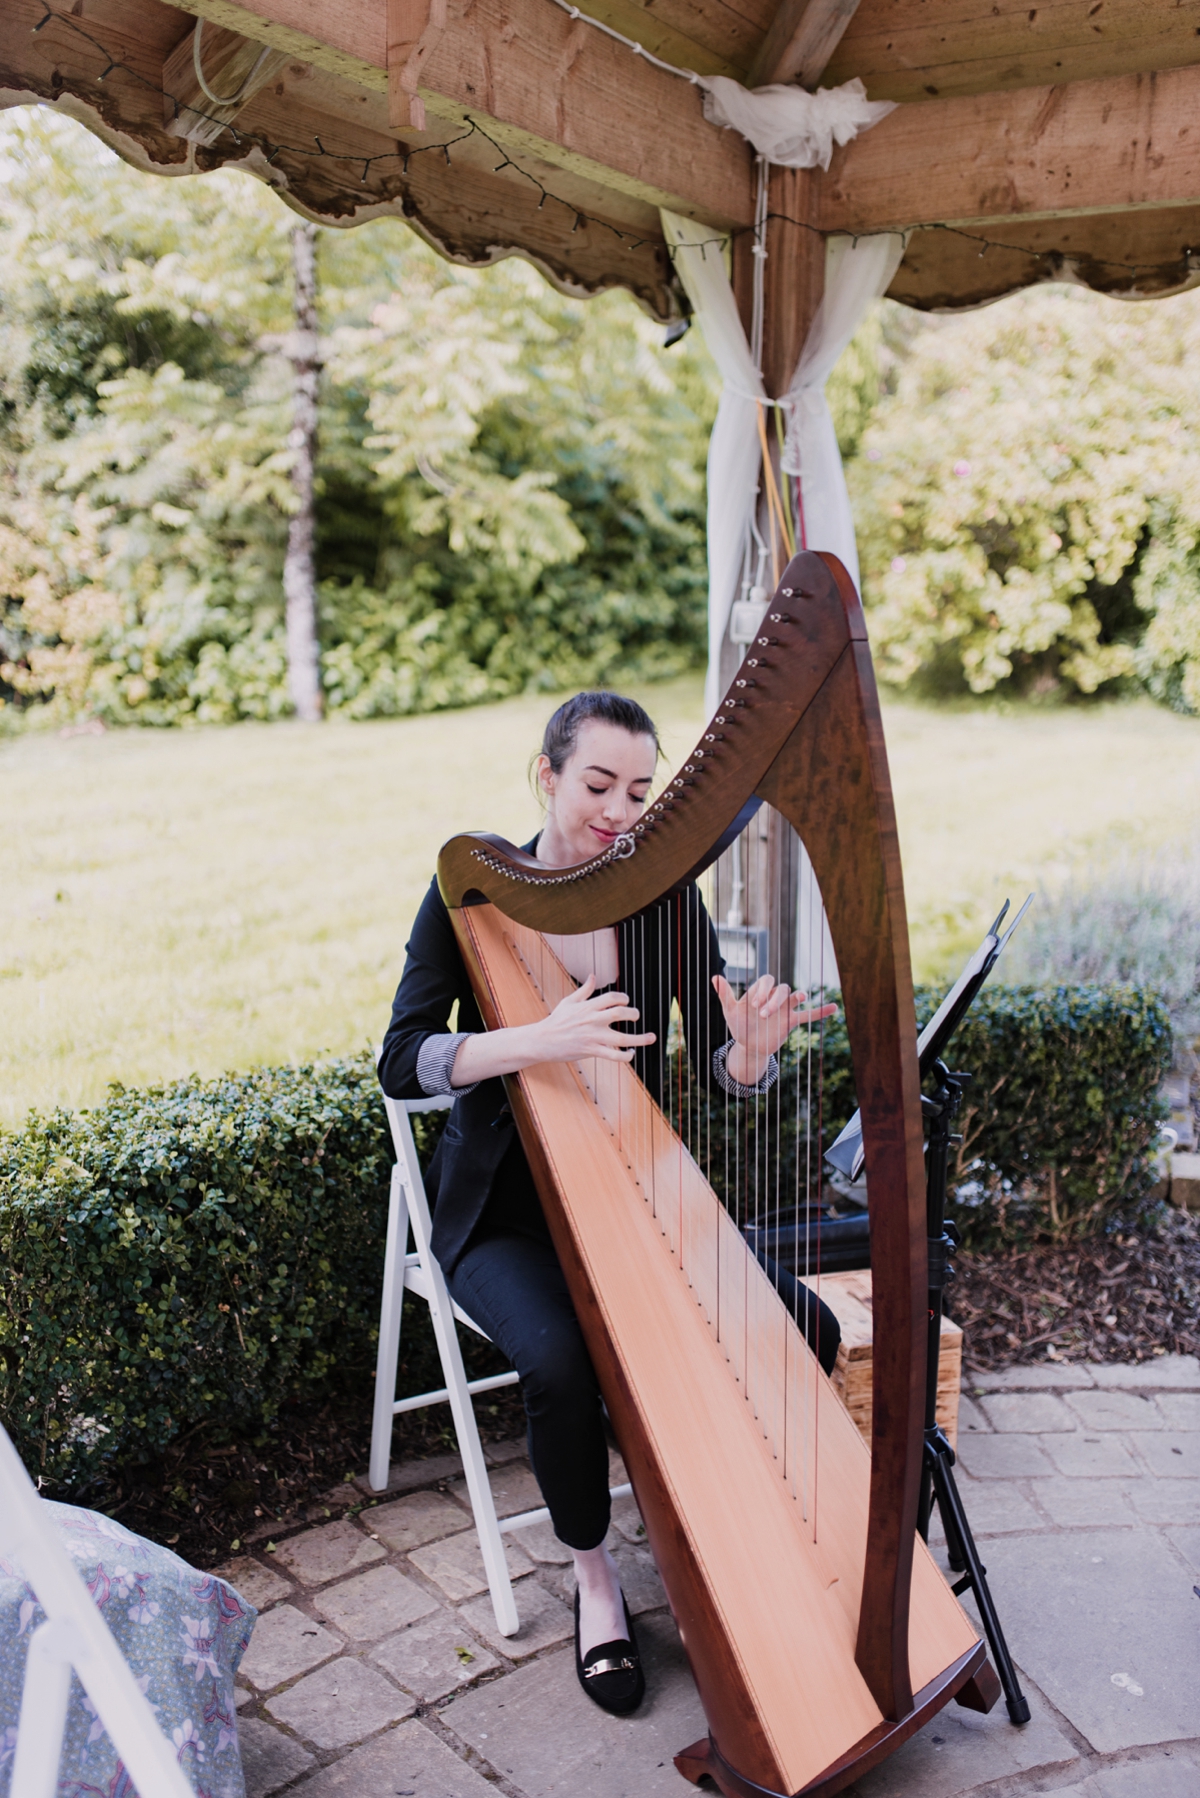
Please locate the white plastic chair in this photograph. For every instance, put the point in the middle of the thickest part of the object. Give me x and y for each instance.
(75, 1637)
(417, 1271)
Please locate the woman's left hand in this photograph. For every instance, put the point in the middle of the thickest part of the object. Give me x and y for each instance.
(761, 1021)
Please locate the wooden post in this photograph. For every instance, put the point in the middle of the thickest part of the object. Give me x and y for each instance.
(794, 281)
(794, 272)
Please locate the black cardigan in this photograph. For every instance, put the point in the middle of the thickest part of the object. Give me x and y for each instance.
(667, 952)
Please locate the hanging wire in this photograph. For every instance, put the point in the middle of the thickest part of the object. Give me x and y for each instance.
(243, 91)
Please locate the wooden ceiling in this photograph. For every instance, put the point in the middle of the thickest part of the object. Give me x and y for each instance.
(1033, 142)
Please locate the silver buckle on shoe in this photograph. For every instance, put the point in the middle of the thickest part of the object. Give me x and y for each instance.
(621, 1666)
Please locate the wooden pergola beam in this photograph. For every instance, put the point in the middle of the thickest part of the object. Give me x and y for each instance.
(802, 37)
(1122, 144)
(539, 81)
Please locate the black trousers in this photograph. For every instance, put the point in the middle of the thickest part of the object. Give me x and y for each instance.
(510, 1282)
(821, 1329)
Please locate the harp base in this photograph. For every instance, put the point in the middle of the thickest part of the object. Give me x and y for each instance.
(704, 1759)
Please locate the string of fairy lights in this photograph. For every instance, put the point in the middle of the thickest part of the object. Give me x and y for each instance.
(405, 154)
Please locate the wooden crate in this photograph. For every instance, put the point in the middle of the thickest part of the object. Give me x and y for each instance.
(849, 1298)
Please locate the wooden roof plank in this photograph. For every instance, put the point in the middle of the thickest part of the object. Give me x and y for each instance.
(942, 48)
(468, 212)
(802, 37)
(713, 37)
(307, 101)
(1050, 152)
(1097, 181)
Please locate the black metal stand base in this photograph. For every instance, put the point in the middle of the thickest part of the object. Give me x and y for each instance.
(938, 1484)
(964, 1558)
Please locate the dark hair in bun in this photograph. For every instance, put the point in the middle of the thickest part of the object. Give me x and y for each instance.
(562, 732)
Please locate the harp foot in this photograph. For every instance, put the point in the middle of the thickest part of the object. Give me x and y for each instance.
(696, 1763)
(981, 1690)
(705, 1758)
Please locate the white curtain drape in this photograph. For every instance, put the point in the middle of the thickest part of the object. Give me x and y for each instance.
(857, 272)
(733, 452)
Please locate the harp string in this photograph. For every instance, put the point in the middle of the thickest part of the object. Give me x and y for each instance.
(689, 1142)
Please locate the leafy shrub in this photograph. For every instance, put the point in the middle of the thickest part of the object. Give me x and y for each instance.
(193, 1255)
(1061, 1119)
(1059, 1123)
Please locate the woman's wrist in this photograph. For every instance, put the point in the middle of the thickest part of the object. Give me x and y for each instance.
(745, 1068)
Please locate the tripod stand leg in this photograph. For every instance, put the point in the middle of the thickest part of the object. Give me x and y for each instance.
(954, 1548)
(958, 1533)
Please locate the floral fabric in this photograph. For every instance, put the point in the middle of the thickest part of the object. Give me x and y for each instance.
(182, 1632)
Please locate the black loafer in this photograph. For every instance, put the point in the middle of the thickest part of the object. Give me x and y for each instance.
(612, 1675)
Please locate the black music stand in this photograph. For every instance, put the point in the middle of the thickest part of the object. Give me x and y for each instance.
(937, 1472)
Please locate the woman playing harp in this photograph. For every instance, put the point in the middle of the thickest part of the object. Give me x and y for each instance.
(594, 773)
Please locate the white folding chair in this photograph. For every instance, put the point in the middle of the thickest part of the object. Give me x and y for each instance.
(73, 1636)
(417, 1271)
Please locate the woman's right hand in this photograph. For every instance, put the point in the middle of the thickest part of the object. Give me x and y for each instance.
(581, 1026)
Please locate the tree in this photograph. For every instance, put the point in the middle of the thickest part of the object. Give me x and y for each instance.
(300, 563)
(508, 484)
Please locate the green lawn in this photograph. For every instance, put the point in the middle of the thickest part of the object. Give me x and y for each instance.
(209, 899)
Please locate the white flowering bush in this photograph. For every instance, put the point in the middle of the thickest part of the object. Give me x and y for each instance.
(1028, 501)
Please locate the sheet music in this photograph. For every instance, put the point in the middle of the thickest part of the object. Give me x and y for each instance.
(846, 1154)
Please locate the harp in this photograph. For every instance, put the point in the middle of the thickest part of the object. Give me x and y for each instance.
(819, 1629)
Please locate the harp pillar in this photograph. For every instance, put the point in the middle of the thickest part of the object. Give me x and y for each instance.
(793, 286)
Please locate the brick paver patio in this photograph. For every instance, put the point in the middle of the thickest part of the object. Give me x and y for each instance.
(376, 1669)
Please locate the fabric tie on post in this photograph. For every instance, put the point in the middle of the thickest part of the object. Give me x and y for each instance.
(788, 126)
(796, 129)
(857, 273)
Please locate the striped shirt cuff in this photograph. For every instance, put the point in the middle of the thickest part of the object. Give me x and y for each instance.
(435, 1061)
(734, 1088)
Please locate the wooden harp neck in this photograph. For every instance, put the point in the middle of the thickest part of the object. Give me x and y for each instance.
(812, 622)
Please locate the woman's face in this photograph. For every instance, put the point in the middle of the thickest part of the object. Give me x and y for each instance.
(601, 791)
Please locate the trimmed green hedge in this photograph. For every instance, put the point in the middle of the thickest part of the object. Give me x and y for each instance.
(1059, 1123)
(202, 1254)
(1062, 1118)
(195, 1254)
